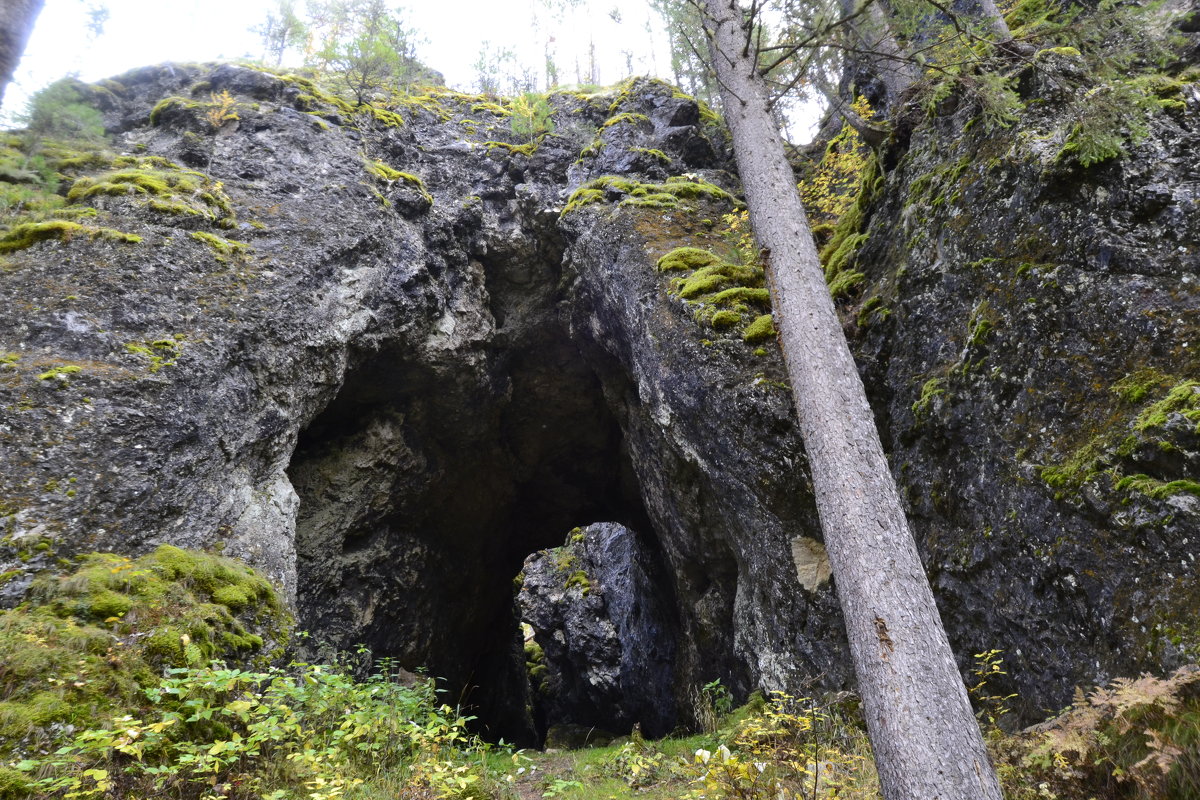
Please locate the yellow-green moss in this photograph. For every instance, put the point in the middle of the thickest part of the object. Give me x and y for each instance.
(579, 579)
(686, 258)
(1156, 489)
(633, 194)
(849, 235)
(1182, 399)
(87, 642)
(165, 188)
(656, 200)
(91, 160)
(144, 162)
(932, 388)
(490, 108)
(160, 352)
(167, 104)
(760, 330)
(627, 118)
(724, 320)
(695, 188)
(710, 278)
(385, 173)
(581, 197)
(844, 282)
(1129, 431)
(657, 155)
(388, 119)
(742, 294)
(68, 369)
(30, 233)
(527, 149)
(220, 245)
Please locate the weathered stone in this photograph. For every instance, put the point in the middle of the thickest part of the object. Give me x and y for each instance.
(602, 615)
(388, 405)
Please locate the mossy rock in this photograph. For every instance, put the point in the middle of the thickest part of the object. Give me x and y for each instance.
(762, 329)
(86, 643)
(686, 258)
(27, 234)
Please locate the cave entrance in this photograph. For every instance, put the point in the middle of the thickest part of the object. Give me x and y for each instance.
(423, 488)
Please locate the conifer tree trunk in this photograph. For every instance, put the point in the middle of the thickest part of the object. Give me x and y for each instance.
(926, 740)
(16, 23)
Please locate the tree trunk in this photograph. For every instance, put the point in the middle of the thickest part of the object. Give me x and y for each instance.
(926, 740)
(16, 23)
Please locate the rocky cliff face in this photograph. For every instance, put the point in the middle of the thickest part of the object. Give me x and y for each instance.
(378, 356)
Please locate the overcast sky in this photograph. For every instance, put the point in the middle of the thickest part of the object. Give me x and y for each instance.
(140, 32)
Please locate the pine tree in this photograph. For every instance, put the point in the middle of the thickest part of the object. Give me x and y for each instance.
(925, 738)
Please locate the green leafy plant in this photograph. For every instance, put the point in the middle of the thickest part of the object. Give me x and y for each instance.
(215, 731)
(531, 116)
(792, 749)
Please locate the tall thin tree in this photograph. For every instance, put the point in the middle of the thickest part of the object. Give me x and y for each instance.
(926, 740)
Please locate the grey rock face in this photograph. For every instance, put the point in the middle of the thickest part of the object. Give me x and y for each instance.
(402, 388)
(602, 615)
(1054, 307)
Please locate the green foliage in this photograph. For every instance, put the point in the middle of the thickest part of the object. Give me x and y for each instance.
(711, 704)
(85, 644)
(281, 30)
(991, 707)
(61, 111)
(791, 749)
(830, 189)
(306, 729)
(530, 116)
(849, 233)
(365, 46)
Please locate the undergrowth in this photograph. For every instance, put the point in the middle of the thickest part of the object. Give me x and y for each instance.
(157, 677)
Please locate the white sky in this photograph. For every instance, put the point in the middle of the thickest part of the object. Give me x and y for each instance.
(141, 32)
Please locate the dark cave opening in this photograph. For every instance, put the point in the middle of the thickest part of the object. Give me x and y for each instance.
(423, 488)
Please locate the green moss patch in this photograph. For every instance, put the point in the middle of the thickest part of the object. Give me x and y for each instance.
(656, 196)
(28, 234)
(849, 234)
(86, 642)
(687, 258)
(220, 245)
(760, 330)
(390, 175)
(724, 297)
(1141, 424)
(163, 188)
(160, 352)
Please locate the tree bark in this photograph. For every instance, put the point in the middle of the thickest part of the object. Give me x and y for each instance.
(926, 740)
(16, 23)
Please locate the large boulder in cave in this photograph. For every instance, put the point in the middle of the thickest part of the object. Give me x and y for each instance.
(601, 615)
(386, 362)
